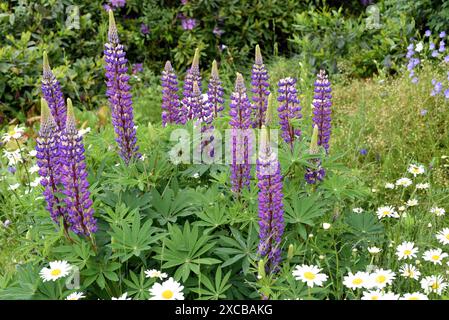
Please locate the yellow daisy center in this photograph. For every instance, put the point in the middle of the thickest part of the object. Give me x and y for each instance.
(386, 212)
(374, 297)
(447, 236)
(55, 272)
(357, 281)
(435, 257)
(407, 252)
(435, 285)
(167, 294)
(413, 298)
(381, 278)
(309, 275)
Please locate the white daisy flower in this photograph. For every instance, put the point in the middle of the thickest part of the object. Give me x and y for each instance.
(386, 211)
(122, 297)
(32, 153)
(411, 203)
(403, 182)
(402, 208)
(358, 280)
(14, 133)
(434, 255)
(357, 210)
(36, 182)
(14, 157)
(438, 211)
(434, 284)
(381, 278)
(406, 250)
(14, 186)
(389, 185)
(389, 296)
(34, 169)
(310, 275)
(422, 186)
(414, 296)
(58, 269)
(419, 47)
(82, 132)
(443, 236)
(410, 271)
(168, 290)
(326, 225)
(374, 250)
(372, 295)
(153, 273)
(415, 169)
(75, 296)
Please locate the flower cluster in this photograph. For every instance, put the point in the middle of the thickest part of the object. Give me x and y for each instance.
(215, 92)
(74, 179)
(271, 212)
(259, 83)
(193, 75)
(322, 102)
(240, 112)
(51, 90)
(118, 93)
(289, 110)
(49, 161)
(170, 99)
(317, 173)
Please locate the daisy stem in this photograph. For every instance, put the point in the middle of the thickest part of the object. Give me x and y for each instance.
(24, 165)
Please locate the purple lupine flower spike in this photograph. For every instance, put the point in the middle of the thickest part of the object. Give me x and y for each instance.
(215, 91)
(209, 107)
(259, 82)
(289, 110)
(51, 90)
(74, 178)
(118, 93)
(271, 212)
(314, 175)
(240, 112)
(170, 99)
(192, 75)
(322, 102)
(48, 160)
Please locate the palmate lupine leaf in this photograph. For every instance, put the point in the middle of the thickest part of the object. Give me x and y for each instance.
(168, 206)
(185, 249)
(236, 248)
(99, 271)
(138, 286)
(364, 227)
(302, 211)
(214, 290)
(133, 240)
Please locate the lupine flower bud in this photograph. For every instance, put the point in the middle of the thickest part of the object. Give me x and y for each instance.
(322, 102)
(171, 111)
(271, 212)
(261, 269)
(313, 175)
(74, 178)
(49, 162)
(118, 93)
(291, 251)
(215, 91)
(259, 77)
(51, 89)
(193, 75)
(240, 112)
(289, 110)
